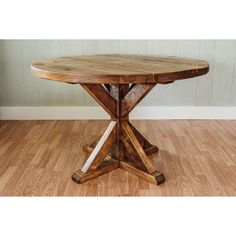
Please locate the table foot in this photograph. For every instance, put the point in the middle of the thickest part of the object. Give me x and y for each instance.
(105, 167)
(155, 177)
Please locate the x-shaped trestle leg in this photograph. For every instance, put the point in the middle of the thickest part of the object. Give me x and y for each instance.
(121, 146)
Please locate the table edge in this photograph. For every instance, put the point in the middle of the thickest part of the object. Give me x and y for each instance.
(119, 79)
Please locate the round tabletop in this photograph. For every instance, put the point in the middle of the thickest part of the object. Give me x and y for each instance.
(118, 69)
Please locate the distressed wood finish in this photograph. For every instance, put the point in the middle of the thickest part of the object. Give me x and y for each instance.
(107, 79)
(118, 92)
(124, 143)
(118, 69)
(138, 148)
(134, 96)
(146, 145)
(100, 94)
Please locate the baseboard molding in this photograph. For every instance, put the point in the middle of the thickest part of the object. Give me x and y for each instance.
(97, 113)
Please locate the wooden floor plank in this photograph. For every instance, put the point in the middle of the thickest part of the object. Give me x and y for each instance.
(37, 158)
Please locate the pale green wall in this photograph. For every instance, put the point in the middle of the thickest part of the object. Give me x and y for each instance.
(19, 88)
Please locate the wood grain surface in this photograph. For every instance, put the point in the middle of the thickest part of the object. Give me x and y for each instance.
(198, 158)
(118, 68)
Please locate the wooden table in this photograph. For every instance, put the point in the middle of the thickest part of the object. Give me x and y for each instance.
(118, 83)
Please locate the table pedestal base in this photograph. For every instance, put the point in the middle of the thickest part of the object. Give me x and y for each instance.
(122, 145)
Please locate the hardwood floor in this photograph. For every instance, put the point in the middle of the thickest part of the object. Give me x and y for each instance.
(37, 158)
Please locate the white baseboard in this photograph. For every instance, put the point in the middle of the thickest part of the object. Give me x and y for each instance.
(97, 113)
